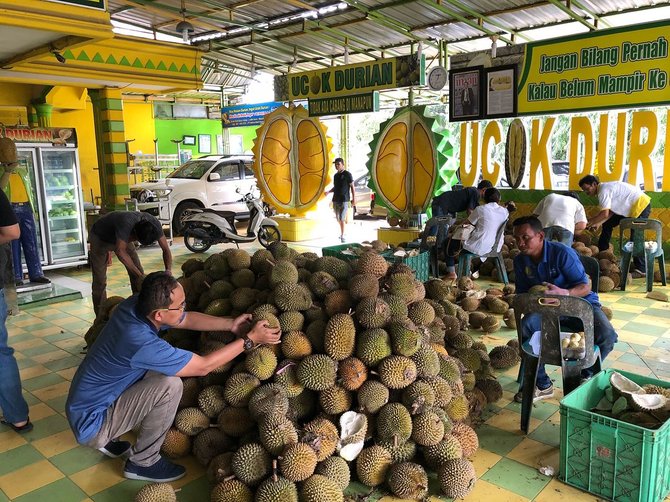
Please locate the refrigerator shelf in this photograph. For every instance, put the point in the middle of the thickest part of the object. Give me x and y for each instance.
(66, 231)
(62, 187)
(61, 200)
(47, 171)
(57, 218)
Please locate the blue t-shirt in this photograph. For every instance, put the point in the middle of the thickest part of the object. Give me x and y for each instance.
(560, 265)
(125, 350)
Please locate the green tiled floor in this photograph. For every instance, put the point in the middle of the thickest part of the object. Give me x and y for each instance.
(48, 465)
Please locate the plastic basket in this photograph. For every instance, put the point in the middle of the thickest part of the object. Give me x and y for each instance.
(613, 459)
(339, 251)
(419, 263)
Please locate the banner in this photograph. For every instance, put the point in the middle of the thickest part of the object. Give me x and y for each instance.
(56, 136)
(342, 105)
(390, 73)
(246, 115)
(619, 68)
(94, 4)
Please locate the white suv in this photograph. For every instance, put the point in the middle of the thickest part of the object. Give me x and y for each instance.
(214, 181)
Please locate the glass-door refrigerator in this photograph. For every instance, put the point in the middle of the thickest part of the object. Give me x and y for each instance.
(50, 176)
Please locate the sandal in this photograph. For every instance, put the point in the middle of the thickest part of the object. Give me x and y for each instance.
(27, 427)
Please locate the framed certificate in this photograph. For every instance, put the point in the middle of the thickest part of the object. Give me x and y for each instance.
(188, 140)
(465, 94)
(204, 143)
(501, 96)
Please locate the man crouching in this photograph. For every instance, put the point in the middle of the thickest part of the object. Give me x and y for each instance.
(130, 377)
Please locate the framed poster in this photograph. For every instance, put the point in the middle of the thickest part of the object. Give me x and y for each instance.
(465, 94)
(188, 140)
(501, 96)
(204, 143)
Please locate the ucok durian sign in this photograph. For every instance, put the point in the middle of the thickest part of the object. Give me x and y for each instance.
(620, 68)
(389, 73)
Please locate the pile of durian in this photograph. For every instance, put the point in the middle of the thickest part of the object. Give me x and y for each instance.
(646, 406)
(365, 346)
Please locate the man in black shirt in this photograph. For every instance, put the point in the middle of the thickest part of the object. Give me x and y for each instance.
(14, 406)
(116, 232)
(343, 184)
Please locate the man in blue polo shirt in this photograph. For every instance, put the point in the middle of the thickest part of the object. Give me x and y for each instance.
(558, 267)
(131, 376)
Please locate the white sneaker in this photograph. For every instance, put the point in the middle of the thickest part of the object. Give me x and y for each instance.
(342, 239)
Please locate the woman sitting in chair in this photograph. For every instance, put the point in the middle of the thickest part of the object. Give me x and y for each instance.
(479, 231)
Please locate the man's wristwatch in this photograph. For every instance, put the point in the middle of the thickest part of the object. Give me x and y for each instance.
(248, 343)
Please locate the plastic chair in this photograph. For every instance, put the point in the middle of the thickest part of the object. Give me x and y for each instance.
(592, 269)
(551, 309)
(437, 226)
(638, 226)
(465, 257)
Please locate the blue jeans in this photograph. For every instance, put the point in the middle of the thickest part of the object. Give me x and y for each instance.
(28, 240)
(559, 234)
(604, 337)
(14, 407)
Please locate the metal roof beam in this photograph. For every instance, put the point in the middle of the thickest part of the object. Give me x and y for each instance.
(469, 22)
(194, 17)
(573, 14)
(485, 18)
(597, 20)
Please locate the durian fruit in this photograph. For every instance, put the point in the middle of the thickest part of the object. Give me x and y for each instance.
(287, 376)
(261, 362)
(457, 478)
(289, 297)
(269, 398)
(319, 488)
(340, 337)
(297, 462)
(400, 452)
(209, 443)
(317, 372)
(465, 283)
(373, 313)
(352, 373)
(283, 272)
(491, 388)
(397, 305)
(322, 436)
(220, 467)
(372, 264)
(509, 319)
(605, 284)
(156, 492)
(238, 258)
(336, 469)
(476, 319)
(239, 388)
(335, 400)
(427, 429)
(372, 465)
(447, 449)
(176, 444)
(291, 321)
(251, 463)
(470, 303)
(408, 480)
(421, 313)
(295, 345)
(277, 432)
(303, 406)
(231, 490)
(397, 372)
(458, 408)
(405, 338)
(418, 397)
(191, 421)
(442, 389)
(189, 395)
(372, 396)
(363, 286)
(211, 400)
(338, 302)
(427, 362)
(467, 436)
(394, 423)
(372, 346)
(504, 357)
(491, 324)
(322, 284)
(235, 422)
(276, 489)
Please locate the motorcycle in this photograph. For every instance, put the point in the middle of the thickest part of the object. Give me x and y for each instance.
(202, 228)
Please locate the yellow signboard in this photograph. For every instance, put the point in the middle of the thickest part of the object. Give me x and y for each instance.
(624, 67)
(350, 79)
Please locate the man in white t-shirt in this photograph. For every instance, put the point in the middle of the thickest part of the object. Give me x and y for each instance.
(562, 216)
(486, 220)
(617, 200)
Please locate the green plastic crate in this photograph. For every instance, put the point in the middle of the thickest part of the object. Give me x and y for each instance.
(338, 251)
(613, 459)
(419, 263)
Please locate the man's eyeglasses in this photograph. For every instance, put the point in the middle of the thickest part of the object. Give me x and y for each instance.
(181, 307)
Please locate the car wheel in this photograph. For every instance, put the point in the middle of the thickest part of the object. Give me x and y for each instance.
(177, 226)
(195, 244)
(268, 234)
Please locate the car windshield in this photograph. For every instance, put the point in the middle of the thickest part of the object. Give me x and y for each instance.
(192, 170)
